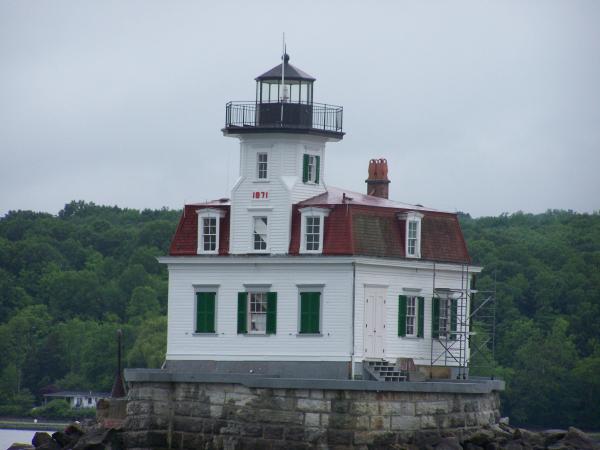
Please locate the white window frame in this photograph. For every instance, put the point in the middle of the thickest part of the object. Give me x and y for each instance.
(305, 213)
(312, 169)
(208, 213)
(446, 318)
(252, 225)
(249, 311)
(414, 317)
(412, 217)
(258, 165)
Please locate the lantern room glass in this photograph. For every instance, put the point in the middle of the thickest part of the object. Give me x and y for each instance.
(292, 91)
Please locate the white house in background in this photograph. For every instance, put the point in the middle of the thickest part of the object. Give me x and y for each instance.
(77, 399)
(291, 277)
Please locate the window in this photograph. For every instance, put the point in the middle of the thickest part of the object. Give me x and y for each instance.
(257, 317)
(312, 229)
(445, 314)
(257, 312)
(444, 317)
(311, 168)
(260, 234)
(412, 233)
(205, 312)
(208, 230)
(412, 237)
(209, 234)
(261, 166)
(310, 312)
(411, 316)
(313, 233)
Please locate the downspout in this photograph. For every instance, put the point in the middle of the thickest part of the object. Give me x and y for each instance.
(353, 318)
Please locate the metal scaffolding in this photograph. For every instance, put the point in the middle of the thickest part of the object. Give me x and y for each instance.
(466, 327)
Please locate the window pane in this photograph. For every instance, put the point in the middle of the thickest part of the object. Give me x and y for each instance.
(411, 316)
(257, 316)
(261, 165)
(312, 233)
(209, 234)
(260, 233)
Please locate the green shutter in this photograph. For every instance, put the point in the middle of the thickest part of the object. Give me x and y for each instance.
(310, 312)
(271, 312)
(421, 312)
(435, 317)
(305, 168)
(205, 312)
(305, 298)
(317, 312)
(242, 321)
(402, 315)
(453, 308)
(317, 168)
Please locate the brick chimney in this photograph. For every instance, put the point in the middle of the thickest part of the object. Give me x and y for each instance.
(378, 183)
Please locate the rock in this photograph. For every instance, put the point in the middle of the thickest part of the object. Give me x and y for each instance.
(503, 421)
(448, 443)
(20, 446)
(552, 436)
(99, 440)
(63, 439)
(470, 446)
(501, 433)
(578, 439)
(530, 438)
(40, 438)
(481, 437)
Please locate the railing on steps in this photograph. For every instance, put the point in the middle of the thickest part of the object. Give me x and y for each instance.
(382, 370)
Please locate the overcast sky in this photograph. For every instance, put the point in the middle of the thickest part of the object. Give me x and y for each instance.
(483, 107)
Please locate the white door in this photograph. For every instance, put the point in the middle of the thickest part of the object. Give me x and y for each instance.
(374, 322)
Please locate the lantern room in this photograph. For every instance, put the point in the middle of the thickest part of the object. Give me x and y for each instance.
(284, 84)
(284, 103)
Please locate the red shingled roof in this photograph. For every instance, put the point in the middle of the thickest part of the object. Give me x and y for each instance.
(185, 241)
(357, 224)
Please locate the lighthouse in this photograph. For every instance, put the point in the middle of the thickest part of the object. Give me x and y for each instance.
(282, 134)
(291, 277)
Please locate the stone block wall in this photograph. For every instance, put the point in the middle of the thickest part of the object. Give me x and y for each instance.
(198, 415)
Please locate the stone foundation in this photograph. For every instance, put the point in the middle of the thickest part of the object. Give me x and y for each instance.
(168, 412)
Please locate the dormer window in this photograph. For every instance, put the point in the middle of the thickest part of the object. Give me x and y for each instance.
(413, 233)
(208, 230)
(311, 166)
(312, 229)
(262, 161)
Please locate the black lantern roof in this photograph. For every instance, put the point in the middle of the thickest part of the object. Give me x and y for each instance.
(291, 72)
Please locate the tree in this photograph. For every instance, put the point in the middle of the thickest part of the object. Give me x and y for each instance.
(142, 305)
(150, 347)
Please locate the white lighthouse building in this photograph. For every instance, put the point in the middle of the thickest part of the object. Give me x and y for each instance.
(294, 278)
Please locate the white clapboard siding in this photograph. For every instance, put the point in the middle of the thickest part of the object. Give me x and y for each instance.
(335, 344)
(284, 187)
(402, 281)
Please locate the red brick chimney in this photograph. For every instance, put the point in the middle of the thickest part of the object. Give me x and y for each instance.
(378, 183)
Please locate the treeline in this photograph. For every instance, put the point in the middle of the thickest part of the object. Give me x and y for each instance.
(68, 282)
(546, 272)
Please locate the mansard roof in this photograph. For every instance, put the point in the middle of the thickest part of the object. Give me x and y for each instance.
(185, 241)
(357, 225)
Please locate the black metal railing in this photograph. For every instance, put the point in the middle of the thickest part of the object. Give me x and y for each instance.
(311, 116)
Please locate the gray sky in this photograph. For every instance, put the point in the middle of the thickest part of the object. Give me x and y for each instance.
(484, 107)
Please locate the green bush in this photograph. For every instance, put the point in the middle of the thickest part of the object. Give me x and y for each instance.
(60, 409)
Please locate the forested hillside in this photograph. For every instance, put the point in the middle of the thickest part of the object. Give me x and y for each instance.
(68, 282)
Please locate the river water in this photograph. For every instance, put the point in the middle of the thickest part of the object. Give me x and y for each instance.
(8, 437)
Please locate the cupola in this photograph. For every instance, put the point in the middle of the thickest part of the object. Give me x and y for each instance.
(284, 103)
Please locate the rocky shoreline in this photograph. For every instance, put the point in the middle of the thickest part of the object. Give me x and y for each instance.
(92, 436)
